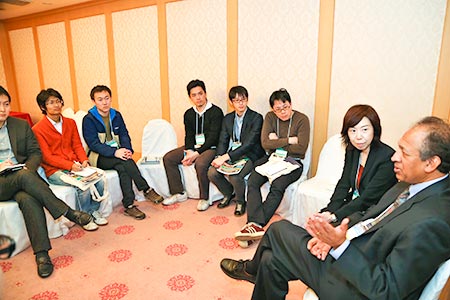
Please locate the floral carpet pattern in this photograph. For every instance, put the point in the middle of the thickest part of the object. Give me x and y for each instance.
(172, 254)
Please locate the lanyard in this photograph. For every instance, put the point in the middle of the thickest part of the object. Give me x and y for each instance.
(289, 128)
(196, 124)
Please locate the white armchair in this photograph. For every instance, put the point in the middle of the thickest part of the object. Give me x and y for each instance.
(313, 194)
(158, 138)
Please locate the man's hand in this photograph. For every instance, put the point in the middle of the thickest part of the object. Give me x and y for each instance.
(123, 154)
(273, 136)
(318, 248)
(190, 157)
(85, 164)
(320, 228)
(293, 140)
(220, 160)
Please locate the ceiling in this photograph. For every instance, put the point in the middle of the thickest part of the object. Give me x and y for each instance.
(18, 8)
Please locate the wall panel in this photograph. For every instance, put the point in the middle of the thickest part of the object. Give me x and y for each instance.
(90, 53)
(197, 48)
(386, 54)
(26, 70)
(2, 73)
(137, 68)
(55, 60)
(278, 49)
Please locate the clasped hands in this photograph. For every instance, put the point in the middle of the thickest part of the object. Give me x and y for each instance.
(324, 235)
(189, 157)
(123, 154)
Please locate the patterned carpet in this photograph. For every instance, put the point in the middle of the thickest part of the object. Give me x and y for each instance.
(173, 254)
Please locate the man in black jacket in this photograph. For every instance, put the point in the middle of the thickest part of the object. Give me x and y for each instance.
(240, 138)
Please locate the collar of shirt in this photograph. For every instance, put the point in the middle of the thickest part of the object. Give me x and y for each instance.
(57, 125)
(208, 106)
(415, 188)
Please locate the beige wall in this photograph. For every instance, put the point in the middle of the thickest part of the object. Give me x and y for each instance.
(329, 54)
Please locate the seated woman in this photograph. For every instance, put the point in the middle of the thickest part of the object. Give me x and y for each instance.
(368, 170)
(61, 148)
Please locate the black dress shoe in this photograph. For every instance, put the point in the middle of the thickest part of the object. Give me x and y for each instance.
(44, 265)
(225, 202)
(236, 269)
(240, 208)
(79, 217)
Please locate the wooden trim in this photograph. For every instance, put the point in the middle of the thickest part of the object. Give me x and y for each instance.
(37, 50)
(8, 65)
(163, 60)
(111, 59)
(73, 76)
(441, 104)
(323, 84)
(232, 45)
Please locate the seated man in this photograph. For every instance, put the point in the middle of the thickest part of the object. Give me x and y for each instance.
(110, 148)
(240, 138)
(392, 251)
(62, 150)
(286, 133)
(202, 124)
(18, 145)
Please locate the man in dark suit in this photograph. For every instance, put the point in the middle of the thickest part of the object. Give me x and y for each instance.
(240, 138)
(391, 257)
(18, 145)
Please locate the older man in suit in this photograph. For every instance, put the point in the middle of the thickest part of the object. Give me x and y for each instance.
(240, 138)
(18, 145)
(391, 253)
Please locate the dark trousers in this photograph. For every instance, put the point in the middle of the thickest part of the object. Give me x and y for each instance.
(128, 172)
(174, 157)
(282, 256)
(235, 183)
(32, 194)
(258, 211)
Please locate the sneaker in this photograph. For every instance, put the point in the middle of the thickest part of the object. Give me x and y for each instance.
(251, 231)
(202, 205)
(175, 198)
(91, 226)
(98, 218)
(153, 196)
(245, 244)
(134, 212)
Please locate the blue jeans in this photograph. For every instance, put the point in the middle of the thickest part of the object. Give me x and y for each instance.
(84, 200)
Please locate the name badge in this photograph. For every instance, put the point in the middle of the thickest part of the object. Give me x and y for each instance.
(112, 143)
(199, 140)
(235, 145)
(280, 152)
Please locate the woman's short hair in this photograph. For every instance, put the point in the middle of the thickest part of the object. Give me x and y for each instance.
(43, 96)
(354, 115)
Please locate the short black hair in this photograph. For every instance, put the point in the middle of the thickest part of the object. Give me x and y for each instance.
(43, 96)
(100, 88)
(237, 90)
(280, 95)
(195, 83)
(3, 91)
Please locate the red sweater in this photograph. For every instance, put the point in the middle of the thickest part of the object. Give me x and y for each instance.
(59, 151)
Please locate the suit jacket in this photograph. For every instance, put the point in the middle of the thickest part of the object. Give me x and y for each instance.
(397, 257)
(23, 143)
(378, 177)
(250, 136)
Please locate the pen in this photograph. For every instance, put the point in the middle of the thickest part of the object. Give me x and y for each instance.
(78, 164)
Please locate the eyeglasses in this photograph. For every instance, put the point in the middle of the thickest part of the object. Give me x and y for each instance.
(53, 102)
(280, 109)
(7, 246)
(239, 100)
